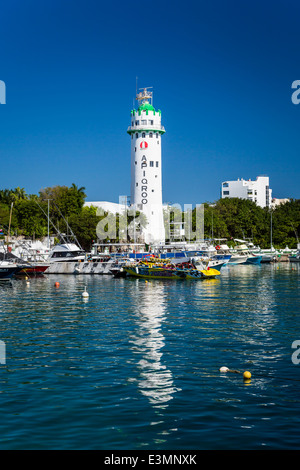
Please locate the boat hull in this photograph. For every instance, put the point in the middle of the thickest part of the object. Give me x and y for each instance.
(237, 260)
(254, 260)
(161, 273)
(34, 270)
(153, 273)
(7, 272)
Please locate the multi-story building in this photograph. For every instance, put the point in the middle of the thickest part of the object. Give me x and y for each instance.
(257, 191)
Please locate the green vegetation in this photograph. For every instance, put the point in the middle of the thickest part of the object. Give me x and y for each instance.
(227, 218)
(22, 214)
(240, 218)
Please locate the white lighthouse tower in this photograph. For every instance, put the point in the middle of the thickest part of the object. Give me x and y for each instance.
(146, 172)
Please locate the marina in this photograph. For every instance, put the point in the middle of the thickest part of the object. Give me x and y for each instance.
(136, 363)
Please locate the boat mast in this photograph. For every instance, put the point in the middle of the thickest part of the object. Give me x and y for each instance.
(8, 235)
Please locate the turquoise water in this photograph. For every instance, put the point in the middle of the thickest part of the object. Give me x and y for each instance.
(137, 365)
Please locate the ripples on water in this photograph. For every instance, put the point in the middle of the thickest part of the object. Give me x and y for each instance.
(137, 365)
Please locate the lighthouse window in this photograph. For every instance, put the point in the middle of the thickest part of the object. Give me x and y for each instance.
(143, 135)
(150, 135)
(151, 163)
(157, 136)
(135, 162)
(136, 184)
(151, 123)
(137, 123)
(144, 121)
(157, 164)
(136, 135)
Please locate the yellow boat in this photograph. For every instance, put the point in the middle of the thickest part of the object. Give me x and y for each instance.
(164, 269)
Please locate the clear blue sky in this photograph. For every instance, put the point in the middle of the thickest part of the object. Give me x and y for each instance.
(221, 73)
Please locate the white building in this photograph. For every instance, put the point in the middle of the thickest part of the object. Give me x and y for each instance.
(112, 207)
(257, 191)
(277, 202)
(146, 172)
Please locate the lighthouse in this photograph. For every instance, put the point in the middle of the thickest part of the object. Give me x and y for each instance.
(146, 169)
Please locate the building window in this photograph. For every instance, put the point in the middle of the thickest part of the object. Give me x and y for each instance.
(137, 123)
(151, 163)
(156, 164)
(151, 123)
(143, 135)
(136, 184)
(135, 162)
(136, 135)
(153, 190)
(225, 185)
(144, 122)
(150, 135)
(225, 193)
(157, 135)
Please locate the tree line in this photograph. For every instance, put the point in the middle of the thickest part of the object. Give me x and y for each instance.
(240, 218)
(23, 214)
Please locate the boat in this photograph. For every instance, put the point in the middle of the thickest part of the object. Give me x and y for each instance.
(8, 270)
(295, 257)
(233, 256)
(154, 268)
(100, 264)
(267, 255)
(31, 254)
(63, 258)
(243, 249)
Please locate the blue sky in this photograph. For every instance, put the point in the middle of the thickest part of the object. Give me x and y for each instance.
(221, 72)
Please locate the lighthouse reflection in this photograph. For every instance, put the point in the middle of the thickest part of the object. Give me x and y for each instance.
(155, 380)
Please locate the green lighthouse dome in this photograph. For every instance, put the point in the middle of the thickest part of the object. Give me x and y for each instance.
(146, 107)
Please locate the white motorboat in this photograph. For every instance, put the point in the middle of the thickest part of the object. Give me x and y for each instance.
(64, 257)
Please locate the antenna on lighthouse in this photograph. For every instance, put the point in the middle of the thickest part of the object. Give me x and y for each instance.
(144, 96)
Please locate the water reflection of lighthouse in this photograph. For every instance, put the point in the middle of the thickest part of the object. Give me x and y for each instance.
(155, 380)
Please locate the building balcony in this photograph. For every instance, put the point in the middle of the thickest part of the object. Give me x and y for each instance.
(146, 128)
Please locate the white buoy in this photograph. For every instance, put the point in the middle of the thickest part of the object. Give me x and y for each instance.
(85, 294)
(224, 369)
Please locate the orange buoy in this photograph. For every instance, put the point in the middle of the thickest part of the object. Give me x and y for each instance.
(56, 284)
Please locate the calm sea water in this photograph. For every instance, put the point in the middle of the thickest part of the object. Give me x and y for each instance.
(137, 365)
